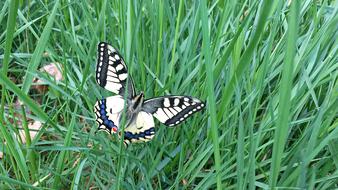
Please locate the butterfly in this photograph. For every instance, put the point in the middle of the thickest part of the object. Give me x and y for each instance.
(137, 112)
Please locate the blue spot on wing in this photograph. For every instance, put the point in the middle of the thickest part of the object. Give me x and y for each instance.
(109, 124)
(142, 134)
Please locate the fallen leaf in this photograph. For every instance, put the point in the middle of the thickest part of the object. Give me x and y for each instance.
(53, 70)
(33, 130)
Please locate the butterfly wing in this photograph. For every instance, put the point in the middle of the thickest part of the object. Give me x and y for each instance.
(108, 115)
(172, 110)
(141, 130)
(108, 112)
(112, 72)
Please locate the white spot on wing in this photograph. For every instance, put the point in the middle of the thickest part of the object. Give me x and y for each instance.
(114, 87)
(186, 99)
(119, 67)
(112, 69)
(183, 106)
(178, 109)
(117, 57)
(173, 111)
(111, 49)
(112, 59)
(160, 115)
(111, 73)
(166, 102)
(112, 79)
(176, 101)
(186, 103)
(123, 76)
(196, 100)
(168, 112)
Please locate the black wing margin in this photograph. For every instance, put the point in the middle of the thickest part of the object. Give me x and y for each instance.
(172, 110)
(112, 72)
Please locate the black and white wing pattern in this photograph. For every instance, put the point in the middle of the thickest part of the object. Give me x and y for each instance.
(172, 110)
(108, 113)
(112, 72)
(142, 130)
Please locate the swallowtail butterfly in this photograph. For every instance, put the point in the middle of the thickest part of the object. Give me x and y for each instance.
(112, 74)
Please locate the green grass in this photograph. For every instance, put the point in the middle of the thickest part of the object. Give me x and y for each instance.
(268, 72)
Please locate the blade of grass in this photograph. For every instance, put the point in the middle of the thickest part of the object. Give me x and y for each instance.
(160, 41)
(40, 47)
(25, 99)
(11, 21)
(30, 153)
(175, 38)
(247, 56)
(210, 90)
(20, 183)
(63, 154)
(282, 124)
(14, 148)
(78, 174)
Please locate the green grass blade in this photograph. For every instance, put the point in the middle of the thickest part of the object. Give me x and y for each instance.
(76, 181)
(211, 103)
(40, 47)
(11, 22)
(283, 120)
(63, 156)
(178, 20)
(247, 56)
(17, 182)
(35, 108)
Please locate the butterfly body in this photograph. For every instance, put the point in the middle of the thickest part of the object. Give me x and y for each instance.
(133, 110)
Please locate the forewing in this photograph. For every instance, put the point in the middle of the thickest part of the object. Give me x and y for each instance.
(108, 111)
(142, 130)
(172, 110)
(112, 72)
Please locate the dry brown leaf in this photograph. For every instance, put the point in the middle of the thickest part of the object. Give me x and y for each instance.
(33, 130)
(33, 127)
(53, 70)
